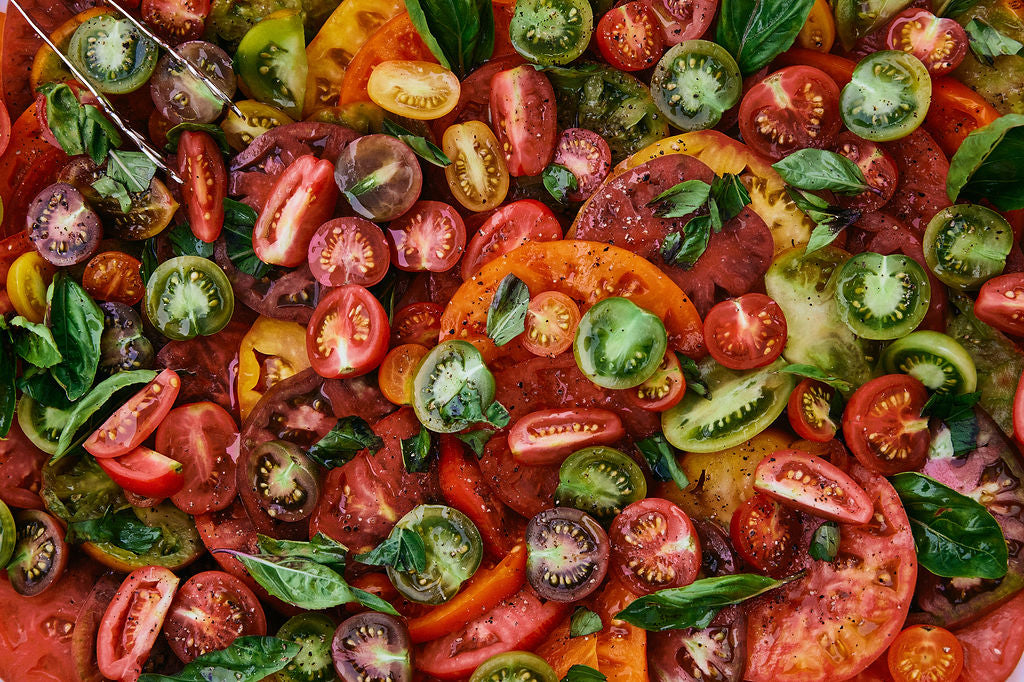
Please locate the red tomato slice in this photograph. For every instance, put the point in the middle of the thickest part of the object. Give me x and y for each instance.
(429, 236)
(745, 332)
(809, 411)
(877, 166)
(134, 421)
(418, 323)
(765, 533)
(922, 168)
(348, 335)
(201, 166)
(176, 20)
(549, 436)
(1000, 303)
(654, 546)
(587, 155)
(682, 19)
(925, 653)
(629, 37)
(522, 104)
(210, 610)
(348, 250)
(144, 472)
(812, 485)
(664, 389)
(955, 112)
(550, 324)
(993, 644)
(940, 44)
(132, 622)
(201, 436)
(883, 425)
(302, 199)
(507, 228)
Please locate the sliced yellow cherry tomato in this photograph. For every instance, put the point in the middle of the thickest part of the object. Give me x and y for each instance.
(270, 351)
(27, 281)
(477, 175)
(420, 90)
(819, 31)
(258, 119)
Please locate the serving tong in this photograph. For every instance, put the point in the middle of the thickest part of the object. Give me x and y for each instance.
(140, 141)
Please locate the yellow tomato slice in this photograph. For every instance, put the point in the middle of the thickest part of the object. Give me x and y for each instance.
(420, 90)
(270, 351)
(27, 281)
(477, 175)
(819, 31)
(258, 119)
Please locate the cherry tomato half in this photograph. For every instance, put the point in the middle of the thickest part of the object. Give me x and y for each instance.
(430, 236)
(940, 44)
(200, 437)
(417, 323)
(883, 425)
(654, 546)
(745, 332)
(813, 485)
(414, 89)
(134, 421)
(664, 389)
(477, 176)
(878, 167)
(27, 280)
(348, 251)
(114, 276)
(549, 436)
(550, 325)
(809, 411)
(132, 622)
(630, 37)
(201, 165)
(397, 371)
(144, 472)
(925, 653)
(587, 155)
(766, 534)
(348, 334)
(1000, 303)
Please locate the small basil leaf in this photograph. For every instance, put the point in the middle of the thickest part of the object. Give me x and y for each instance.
(730, 195)
(320, 548)
(416, 452)
(63, 117)
(460, 33)
(757, 31)
(239, 220)
(987, 43)
(831, 220)
(957, 413)
(465, 407)
(820, 169)
(583, 673)
(661, 457)
(986, 166)
(149, 259)
(584, 622)
(497, 415)
(559, 181)
(955, 535)
(106, 186)
(683, 250)
(694, 381)
(34, 343)
(403, 550)
(421, 146)
(339, 445)
(216, 132)
(123, 529)
(40, 385)
(812, 372)
(476, 440)
(184, 243)
(506, 316)
(134, 170)
(77, 326)
(247, 659)
(825, 542)
(682, 199)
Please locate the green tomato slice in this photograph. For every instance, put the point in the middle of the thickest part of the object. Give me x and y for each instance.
(618, 344)
(882, 297)
(514, 666)
(112, 53)
(313, 632)
(934, 359)
(451, 374)
(888, 96)
(694, 83)
(271, 60)
(600, 481)
(742, 405)
(966, 244)
(188, 296)
(41, 424)
(8, 534)
(454, 551)
(551, 31)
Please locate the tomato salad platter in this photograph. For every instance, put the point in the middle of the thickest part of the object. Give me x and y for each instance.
(529, 340)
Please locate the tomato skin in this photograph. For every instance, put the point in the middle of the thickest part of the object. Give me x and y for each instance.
(430, 236)
(144, 472)
(28, 277)
(551, 322)
(1000, 303)
(5, 127)
(955, 112)
(886, 412)
(808, 411)
(358, 338)
(201, 165)
(209, 611)
(993, 644)
(765, 534)
(819, 31)
(137, 419)
(818, 488)
(629, 37)
(745, 332)
(132, 622)
(507, 228)
(201, 436)
(925, 653)
(417, 323)
(302, 199)
(681, 21)
(549, 436)
(660, 536)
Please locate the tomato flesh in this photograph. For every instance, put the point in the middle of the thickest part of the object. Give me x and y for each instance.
(926, 653)
(210, 610)
(132, 622)
(746, 332)
(550, 325)
(883, 425)
(549, 436)
(202, 167)
(137, 419)
(1000, 303)
(654, 546)
(766, 534)
(145, 472)
(507, 228)
(629, 37)
(940, 44)
(809, 410)
(813, 485)
(348, 335)
(664, 389)
(201, 437)
(522, 107)
(430, 236)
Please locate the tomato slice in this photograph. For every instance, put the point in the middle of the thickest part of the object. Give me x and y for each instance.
(1000, 303)
(413, 89)
(134, 421)
(132, 622)
(477, 175)
(765, 533)
(955, 112)
(681, 20)
(429, 236)
(522, 105)
(629, 37)
(348, 250)
(587, 156)
(27, 281)
(745, 332)
(201, 165)
(883, 425)
(664, 389)
(210, 610)
(417, 323)
(940, 43)
(926, 653)
(621, 648)
(145, 472)
(811, 484)
(5, 127)
(201, 437)
(348, 335)
(550, 325)
(176, 20)
(810, 411)
(302, 199)
(114, 276)
(654, 546)
(878, 168)
(549, 436)
(993, 644)
(508, 228)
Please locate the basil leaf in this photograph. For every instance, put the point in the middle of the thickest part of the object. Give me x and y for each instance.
(987, 165)
(98, 134)
(34, 343)
(694, 381)
(497, 415)
(8, 391)
(662, 459)
(957, 414)
(339, 445)
(506, 316)
(695, 605)
(831, 220)
(416, 452)
(583, 673)
(39, 385)
(93, 401)
(812, 372)
(820, 169)
(825, 542)
(123, 529)
(216, 132)
(134, 170)
(320, 548)
(465, 408)
(559, 181)
(421, 146)
(77, 326)
(730, 195)
(460, 33)
(683, 250)
(954, 8)
(106, 186)
(757, 31)
(149, 259)
(184, 243)
(239, 220)
(584, 622)
(476, 440)
(62, 117)
(247, 659)
(403, 550)
(956, 536)
(681, 200)
(987, 43)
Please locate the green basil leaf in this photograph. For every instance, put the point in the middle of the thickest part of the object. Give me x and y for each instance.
(62, 117)
(403, 550)
(149, 259)
(757, 31)
(34, 343)
(39, 384)
(8, 391)
(682, 199)
(730, 195)
(93, 401)
(987, 165)
(987, 43)
(134, 170)
(465, 407)
(460, 33)
(476, 440)
(122, 528)
(583, 673)
(364, 185)
(106, 186)
(239, 220)
(694, 381)
(812, 372)
(248, 659)
(184, 243)
(956, 536)
(584, 622)
(661, 457)
(339, 445)
(695, 605)
(831, 220)
(825, 542)
(77, 326)
(421, 146)
(416, 451)
(559, 181)
(683, 250)
(506, 316)
(216, 132)
(957, 414)
(820, 169)
(422, 26)
(106, 135)
(320, 548)
(497, 415)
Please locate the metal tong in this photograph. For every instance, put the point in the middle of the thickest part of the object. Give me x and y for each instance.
(140, 141)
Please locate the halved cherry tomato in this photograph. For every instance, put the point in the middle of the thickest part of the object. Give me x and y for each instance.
(745, 332)
(883, 425)
(766, 534)
(682, 19)
(429, 236)
(349, 250)
(114, 276)
(417, 323)
(210, 610)
(348, 334)
(507, 228)
(955, 112)
(794, 108)
(302, 199)
(414, 89)
(587, 156)
(134, 421)
(522, 107)
(201, 437)
(654, 546)
(397, 371)
(27, 280)
(477, 176)
(811, 484)
(629, 37)
(664, 389)
(925, 653)
(809, 411)
(878, 167)
(1000, 303)
(940, 44)
(272, 350)
(132, 622)
(176, 20)
(145, 472)
(839, 69)
(819, 31)
(549, 436)
(201, 165)
(550, 325)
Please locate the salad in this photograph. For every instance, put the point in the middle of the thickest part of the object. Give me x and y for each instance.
(554, 340)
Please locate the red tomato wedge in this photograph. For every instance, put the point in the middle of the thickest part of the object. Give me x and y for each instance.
(549, 436)
(745, 332)
(507, 228)
(134, 421)
(812, 485)
(133, 620)
(302, 199)
(144, 472)
(1000, 303)
(522, 106)
(201, 166)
